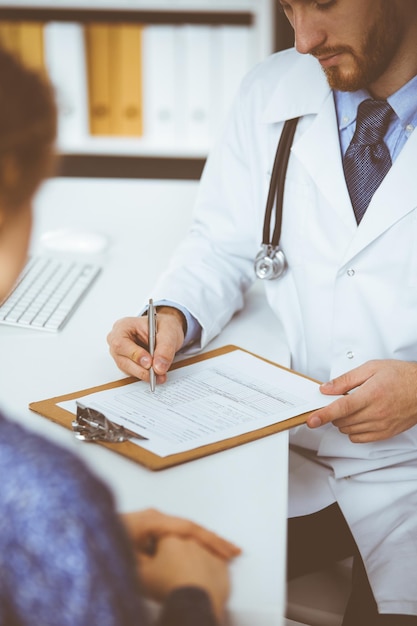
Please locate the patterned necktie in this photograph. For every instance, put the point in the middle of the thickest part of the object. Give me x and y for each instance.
(367, 159)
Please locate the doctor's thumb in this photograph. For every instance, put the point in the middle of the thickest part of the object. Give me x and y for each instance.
(161, 364)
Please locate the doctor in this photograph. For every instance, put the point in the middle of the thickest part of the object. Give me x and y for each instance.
(348, 298)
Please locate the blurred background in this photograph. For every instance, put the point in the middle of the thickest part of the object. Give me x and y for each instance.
(143, 86)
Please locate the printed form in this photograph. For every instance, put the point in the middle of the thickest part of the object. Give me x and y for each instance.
(207, 402)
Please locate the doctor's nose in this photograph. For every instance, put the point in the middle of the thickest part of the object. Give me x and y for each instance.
(308, 33)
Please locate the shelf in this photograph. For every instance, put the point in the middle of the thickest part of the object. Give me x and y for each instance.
(159, 5)
(122, 166)
(142, 16)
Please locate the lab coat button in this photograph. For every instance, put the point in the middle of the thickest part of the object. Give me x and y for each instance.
(350, 354)
(351, 272)
(409, 128)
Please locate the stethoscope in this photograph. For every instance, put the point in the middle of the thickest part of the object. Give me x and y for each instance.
(270, 262)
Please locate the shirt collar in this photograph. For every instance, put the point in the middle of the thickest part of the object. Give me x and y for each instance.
(403, 102)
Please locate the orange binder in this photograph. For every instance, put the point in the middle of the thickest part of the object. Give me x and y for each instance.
(114, 69)
(126, 80)
(25, 40)
(9, 37)
(49, 408)
(97, 40)
(31, 44)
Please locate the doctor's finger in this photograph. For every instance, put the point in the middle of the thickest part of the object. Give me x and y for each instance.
(169, 339)
(344, 408)
(358, 424)
(349, 380)
(361, 430)
(375, 427)
(126, 336)
(130, 357)
(130, 367)
(366, 434)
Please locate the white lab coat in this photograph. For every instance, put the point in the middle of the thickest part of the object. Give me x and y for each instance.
(349, 295)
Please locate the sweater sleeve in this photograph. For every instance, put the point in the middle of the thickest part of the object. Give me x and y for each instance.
(65, 559)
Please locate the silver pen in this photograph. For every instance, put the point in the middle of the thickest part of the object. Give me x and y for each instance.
(152, 340)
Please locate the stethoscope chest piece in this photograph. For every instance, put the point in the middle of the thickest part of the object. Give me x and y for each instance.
(270, 262)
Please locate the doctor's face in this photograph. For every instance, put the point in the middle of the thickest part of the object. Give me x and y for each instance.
(355, 41)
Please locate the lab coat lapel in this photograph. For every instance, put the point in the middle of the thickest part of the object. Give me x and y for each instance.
(316, 144)
(318, 149)
(395, 198)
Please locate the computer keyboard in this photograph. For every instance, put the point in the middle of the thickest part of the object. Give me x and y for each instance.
(47, 293)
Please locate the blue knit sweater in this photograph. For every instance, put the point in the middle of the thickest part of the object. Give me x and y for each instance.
(65, 559)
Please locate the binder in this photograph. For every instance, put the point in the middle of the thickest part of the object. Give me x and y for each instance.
(218, 107)
(9, 37)
(198, 89)
(31, 44)
(25, 40)
(114, 62)
(97, 39)
(125, 80)
(49, 408)
(65, 62)
(161, 88)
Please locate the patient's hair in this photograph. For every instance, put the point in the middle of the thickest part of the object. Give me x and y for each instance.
(28, 121)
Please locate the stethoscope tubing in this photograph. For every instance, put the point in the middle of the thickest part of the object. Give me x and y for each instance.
(277, 185)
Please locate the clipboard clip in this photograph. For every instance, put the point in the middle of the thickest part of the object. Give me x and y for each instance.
(90, 425)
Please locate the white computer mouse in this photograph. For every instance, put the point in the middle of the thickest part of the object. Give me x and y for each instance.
(74, 241)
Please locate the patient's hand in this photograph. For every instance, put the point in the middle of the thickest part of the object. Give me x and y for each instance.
(147, 527)
(173, 552)
(180, 563)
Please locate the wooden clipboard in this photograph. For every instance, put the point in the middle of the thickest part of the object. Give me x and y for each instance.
(49, 408)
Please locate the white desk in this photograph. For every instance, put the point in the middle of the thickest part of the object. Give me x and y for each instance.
(240, 493)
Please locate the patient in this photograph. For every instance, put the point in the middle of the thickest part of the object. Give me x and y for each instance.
(66, 557)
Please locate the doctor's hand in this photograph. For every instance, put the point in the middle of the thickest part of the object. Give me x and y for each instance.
(382, 405)
(128, 343)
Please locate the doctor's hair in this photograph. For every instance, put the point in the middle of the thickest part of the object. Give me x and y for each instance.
(28, 125)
